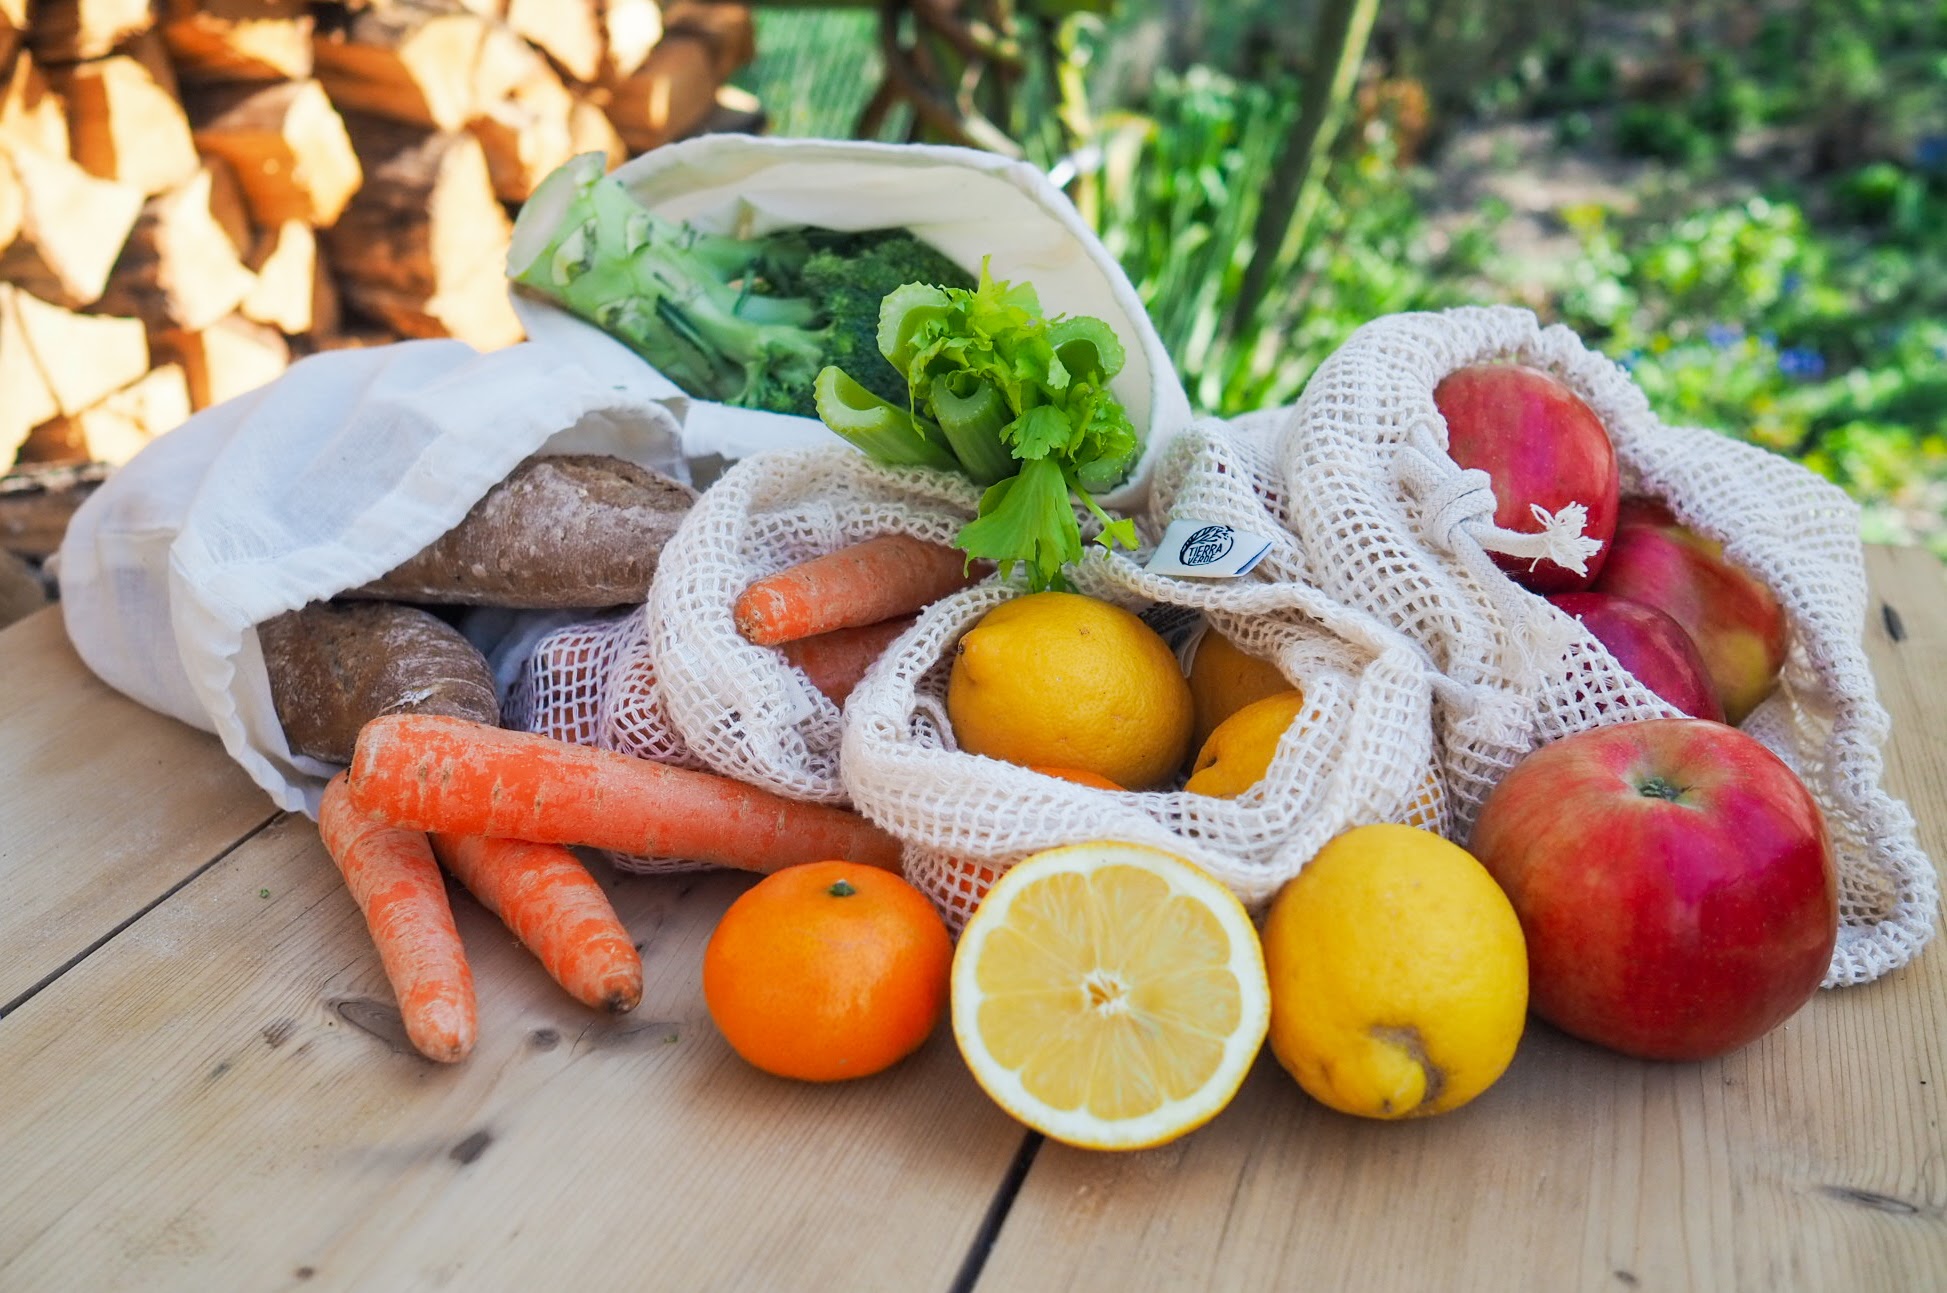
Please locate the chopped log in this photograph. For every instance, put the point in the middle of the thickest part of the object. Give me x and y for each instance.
(31, 113)
(528, 133)
(568, 31)
(11, 202)
(115, 429)
(674, 91)
(29, 398)
(726, 29)
(125, 123)
(80, 357)
(363, 338)
(287, 144)
(590, 131)
(72, 227)
(292, 293)
(737, 111)
(630, 28)
(231, 357)
(36, 504)
(13, 27)
(180, 269)
(239, 40)
(421, 62)
(228, 205)
(422, 247)
(67, 31)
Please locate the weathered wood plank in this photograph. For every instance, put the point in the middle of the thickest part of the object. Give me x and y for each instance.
(221, 1098)
(1815, 1158)
(104, 806)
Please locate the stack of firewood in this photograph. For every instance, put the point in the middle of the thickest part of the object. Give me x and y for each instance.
(192, 192)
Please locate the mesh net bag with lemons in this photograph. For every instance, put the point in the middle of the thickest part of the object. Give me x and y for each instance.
(1005, 722)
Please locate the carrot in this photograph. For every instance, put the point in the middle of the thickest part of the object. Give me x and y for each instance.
(429, 773)
(836, 661)
(545, 895)
(396, 884)
(894, 574)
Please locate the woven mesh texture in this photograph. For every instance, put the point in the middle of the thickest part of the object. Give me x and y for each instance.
(1360, 752)
(743, 710)
(1389, 524)
(591, 683)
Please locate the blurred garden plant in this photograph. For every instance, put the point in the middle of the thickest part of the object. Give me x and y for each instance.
(1785, 280)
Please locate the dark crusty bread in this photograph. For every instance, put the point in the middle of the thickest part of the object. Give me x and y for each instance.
(334, 667)
(560, 533)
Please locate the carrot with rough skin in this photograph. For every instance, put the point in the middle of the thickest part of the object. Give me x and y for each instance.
(836, 661)
(862, 583)
(396, 882)
(457, 777)
(546, 896)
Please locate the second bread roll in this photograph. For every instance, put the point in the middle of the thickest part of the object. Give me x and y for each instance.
(572, 532)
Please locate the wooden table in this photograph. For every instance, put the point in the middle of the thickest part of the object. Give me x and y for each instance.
(203, 1086)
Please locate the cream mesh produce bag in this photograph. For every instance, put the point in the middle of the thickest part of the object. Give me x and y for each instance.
(1389, 524)
(1359, 752)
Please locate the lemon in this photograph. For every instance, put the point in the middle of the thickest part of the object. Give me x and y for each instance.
(1238, 753)
(1063, 680)
(1109, 995)
(1399, 978)
(1223, 679)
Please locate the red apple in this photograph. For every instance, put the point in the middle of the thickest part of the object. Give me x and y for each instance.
(1539, 445)
(1738, 626)
(1674, 881)
(1651, 646)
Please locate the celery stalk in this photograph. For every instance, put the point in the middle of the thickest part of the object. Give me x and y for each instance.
(1087, 347)
(972, 414)
(883, 431)
(903, 313)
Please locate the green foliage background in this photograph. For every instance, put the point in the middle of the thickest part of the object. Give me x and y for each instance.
(1777, 270)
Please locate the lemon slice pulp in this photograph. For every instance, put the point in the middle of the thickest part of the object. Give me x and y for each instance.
(1110, 995)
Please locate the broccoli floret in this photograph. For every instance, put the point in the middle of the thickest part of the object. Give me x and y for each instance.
(851, 277)
(748, 322)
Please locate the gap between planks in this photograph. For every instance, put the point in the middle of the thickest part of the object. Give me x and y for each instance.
(52, 976)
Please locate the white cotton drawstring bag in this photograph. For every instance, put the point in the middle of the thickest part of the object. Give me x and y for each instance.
(967, 203)
(1390, 524)
(324, 479)
(1359, 752)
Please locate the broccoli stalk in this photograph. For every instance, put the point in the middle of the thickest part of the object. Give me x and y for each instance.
(748, 322)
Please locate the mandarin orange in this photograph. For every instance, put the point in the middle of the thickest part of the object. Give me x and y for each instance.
(827, 971)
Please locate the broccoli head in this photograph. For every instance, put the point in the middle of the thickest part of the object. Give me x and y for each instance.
(748, 322)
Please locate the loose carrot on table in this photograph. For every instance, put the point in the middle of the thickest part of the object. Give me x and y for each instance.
(863, 583)
(836, 661)
(545, 895)
(456, 777)
(396, 884)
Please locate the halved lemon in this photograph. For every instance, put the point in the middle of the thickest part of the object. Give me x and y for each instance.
(1110, 995)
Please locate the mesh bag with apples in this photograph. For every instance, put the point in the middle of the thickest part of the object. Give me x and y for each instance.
(1388, 522)
(1358, 751)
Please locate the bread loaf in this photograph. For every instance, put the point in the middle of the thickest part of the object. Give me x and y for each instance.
(334, 667)
(560, 533)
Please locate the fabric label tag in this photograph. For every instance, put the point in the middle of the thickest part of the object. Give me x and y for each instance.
(1206, 550)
